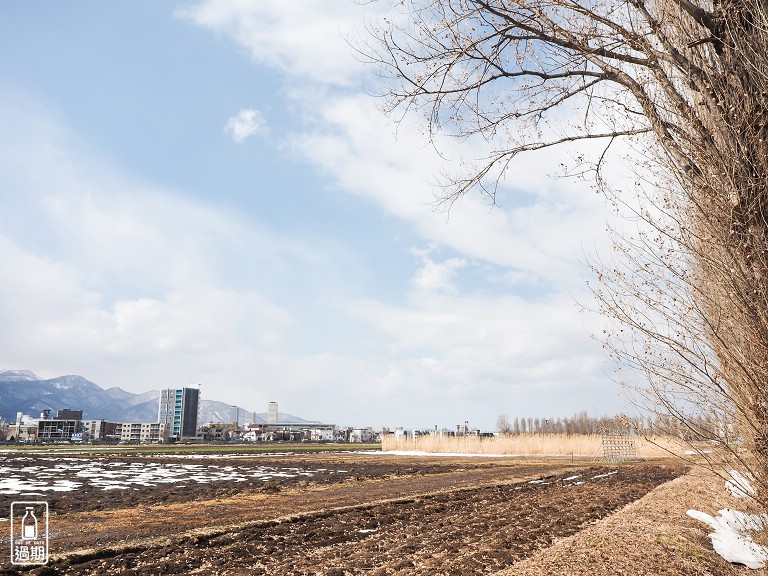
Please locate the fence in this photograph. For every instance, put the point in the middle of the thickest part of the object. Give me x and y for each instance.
(618, 447)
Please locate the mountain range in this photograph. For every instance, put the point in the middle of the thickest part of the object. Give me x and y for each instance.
(23, 391)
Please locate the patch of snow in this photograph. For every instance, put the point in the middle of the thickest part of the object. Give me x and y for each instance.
(18, 476)
(730, 539)
(572, 477)
(19, 375)
(740, 486)
(605, 475)
(367, 530)
(454, 454)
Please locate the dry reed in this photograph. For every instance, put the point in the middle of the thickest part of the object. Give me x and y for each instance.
(583, 445)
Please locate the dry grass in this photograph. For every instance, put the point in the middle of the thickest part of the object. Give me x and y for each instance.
(650, 537)
(528, 444)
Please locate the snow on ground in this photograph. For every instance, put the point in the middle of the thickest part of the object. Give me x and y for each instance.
(228, 456)
(730, 538)
(68, 474)
(83, 450)
(605, 475)
(453, 454)
(740, 486)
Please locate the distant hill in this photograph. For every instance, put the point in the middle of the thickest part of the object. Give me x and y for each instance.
(23, 391)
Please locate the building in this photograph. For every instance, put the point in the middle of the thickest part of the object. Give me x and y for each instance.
(100, 431)
(59, 430)
(218, 432)
(362, 435)
(299, 432)
(321, 433)
(66, 427)
(24, 430)
(142, 432)
(67, 414)
(178, 409)
(272, 413)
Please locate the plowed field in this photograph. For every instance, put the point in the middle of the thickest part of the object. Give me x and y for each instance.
(355, 514)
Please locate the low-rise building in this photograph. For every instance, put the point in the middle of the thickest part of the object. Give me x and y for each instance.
(100, 431)
(24, 430)
(142, 432)
(21, 433)
(59, 430)
(321, 434)
(219, 432)
(362, 435)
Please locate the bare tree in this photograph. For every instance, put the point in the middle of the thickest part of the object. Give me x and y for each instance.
(686, 84)
(503, 425)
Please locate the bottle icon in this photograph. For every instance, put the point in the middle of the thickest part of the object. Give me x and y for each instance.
(29, 525)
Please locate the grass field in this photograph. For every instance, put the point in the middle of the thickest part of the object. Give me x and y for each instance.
(160, 449)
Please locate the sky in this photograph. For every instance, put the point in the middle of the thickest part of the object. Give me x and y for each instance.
(207, 193)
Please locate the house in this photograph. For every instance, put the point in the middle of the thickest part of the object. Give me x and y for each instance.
(321, 434)
(218, 432)
(362, 435)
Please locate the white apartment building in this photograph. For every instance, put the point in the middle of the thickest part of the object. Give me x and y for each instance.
(142, 432)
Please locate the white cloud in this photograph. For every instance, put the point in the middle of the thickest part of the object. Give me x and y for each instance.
(540, 231)
(134, 285)
(436, 276)
(542, 225)
(500, 354)
(307, 43)
(247, 123)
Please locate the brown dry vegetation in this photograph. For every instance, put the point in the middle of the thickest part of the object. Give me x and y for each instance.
(582, 445)
(650, 537)
(407, 515)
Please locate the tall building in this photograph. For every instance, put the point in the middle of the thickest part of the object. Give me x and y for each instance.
(178, 411)
(272, 413)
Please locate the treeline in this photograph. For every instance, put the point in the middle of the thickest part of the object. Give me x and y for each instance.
(702, 426)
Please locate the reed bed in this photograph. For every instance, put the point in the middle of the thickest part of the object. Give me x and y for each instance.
(583, 445)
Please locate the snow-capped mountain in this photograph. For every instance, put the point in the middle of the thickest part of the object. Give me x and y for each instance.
(23, 391)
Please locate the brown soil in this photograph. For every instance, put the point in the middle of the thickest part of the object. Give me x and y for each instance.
(320, 470)
(389, 516)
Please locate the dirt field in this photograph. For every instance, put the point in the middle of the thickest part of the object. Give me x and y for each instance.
(320, 514)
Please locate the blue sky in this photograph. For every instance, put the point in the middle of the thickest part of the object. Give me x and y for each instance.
(205, 192)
